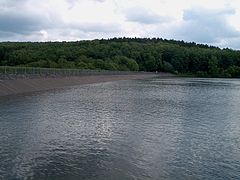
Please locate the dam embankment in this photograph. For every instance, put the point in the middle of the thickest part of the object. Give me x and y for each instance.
(23, 83)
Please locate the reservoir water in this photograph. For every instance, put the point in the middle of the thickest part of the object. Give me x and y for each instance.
(179, 128)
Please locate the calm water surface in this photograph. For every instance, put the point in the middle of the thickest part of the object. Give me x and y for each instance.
(142, 129)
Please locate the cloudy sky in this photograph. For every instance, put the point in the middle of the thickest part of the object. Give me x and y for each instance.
(214, 22)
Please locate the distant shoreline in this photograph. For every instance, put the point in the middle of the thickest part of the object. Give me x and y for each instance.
(33, 84)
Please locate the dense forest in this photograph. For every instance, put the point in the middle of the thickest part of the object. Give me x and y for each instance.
(124, 54)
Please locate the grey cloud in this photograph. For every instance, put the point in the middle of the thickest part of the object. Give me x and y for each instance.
(144, 16)
(231, 42)
(19, 19)
(206, 25)
(99, 0)
(72, 3)
(12, 3)
(20, 23)
(97, 27)
(27, 25)
(16, 20)
(201, 13)
(5, 35)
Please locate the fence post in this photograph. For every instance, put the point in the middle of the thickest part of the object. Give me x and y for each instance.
(25, 71)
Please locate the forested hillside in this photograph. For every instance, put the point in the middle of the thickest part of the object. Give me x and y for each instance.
(125, 54)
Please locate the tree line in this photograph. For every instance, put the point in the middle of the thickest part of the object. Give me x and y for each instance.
(125, 54)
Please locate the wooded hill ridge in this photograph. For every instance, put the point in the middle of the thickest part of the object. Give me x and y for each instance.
(125, 54)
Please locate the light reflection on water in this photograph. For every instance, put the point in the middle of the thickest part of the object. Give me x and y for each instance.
(143, 129)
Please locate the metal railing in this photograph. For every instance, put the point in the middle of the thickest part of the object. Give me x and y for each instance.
(11, 72)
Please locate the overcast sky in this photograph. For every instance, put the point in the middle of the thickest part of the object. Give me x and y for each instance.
(214, 22)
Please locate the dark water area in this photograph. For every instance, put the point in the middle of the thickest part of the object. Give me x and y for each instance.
(179, 128)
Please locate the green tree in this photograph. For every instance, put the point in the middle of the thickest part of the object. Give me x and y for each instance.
(233, 71)
(213, 68)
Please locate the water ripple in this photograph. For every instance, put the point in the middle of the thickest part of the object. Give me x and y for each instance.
(178, 128)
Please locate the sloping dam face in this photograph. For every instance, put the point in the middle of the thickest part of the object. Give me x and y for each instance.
(16, 86)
